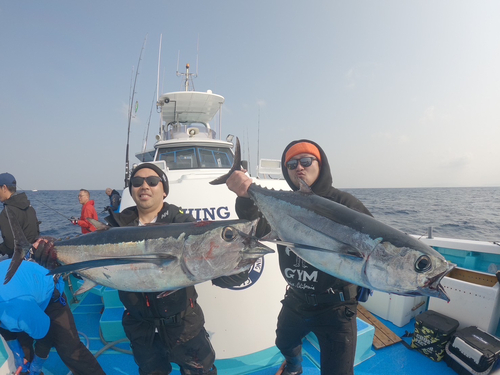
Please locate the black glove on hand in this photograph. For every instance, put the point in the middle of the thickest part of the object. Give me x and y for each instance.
(44, 253)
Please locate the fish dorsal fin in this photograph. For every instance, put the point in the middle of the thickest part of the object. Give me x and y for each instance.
(21, 245)
(304, 188)
(98, 225)
(236, 165)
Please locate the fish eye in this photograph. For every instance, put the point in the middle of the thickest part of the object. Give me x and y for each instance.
(228, 234)
(423, 264)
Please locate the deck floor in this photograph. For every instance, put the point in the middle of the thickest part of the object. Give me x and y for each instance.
(393, 359)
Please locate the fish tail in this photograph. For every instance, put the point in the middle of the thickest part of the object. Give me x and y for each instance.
(236, 166)
(21, 245)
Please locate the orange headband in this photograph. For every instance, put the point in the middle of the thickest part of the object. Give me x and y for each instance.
(302, 148)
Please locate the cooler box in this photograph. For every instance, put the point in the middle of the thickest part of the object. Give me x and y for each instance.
(474, 299)
(432, 331)
(397, 309)
(472, 351)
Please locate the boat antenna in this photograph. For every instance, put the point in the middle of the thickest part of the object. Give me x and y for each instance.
(258, 143)
(188, 77)
(149, 122)
(130, 115)
(248, 152)
(158, 78)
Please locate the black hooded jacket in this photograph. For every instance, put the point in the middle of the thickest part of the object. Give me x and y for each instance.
(20, 208)
(300, 275)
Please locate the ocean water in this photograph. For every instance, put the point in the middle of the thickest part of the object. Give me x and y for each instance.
(464, 213)
(471, 213)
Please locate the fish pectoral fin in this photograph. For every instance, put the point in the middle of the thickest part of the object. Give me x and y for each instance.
(98, 225)
(87, 285)
(342, 248)
(163, 260)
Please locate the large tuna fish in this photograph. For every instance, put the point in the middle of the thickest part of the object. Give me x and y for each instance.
(155, 257)
(347, 244)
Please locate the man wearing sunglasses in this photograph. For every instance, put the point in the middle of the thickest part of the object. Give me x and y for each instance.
(171, 328)
(315, 301)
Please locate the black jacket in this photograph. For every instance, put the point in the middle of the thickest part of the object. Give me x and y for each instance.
(114, 200)
(20, 208)
(300, 275)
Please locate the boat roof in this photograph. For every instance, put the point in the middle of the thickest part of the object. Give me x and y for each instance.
(189, 106)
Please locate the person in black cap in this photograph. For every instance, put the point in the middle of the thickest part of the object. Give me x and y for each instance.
(171, 328)
(21, 209)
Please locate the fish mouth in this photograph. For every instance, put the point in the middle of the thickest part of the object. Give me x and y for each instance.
(253, 247)
(434, 284)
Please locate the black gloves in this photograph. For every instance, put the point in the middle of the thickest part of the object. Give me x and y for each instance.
(44, 253)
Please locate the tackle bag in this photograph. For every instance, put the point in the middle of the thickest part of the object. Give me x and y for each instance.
(432, 331)
(472, 351)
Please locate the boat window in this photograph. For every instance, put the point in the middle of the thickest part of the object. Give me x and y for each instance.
(180, 158)
(196, 157)
(146, 156)
(215, 157)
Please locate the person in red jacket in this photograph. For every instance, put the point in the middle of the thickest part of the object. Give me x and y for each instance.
(88, 212)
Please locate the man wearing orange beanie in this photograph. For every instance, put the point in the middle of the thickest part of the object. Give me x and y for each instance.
(312, 302)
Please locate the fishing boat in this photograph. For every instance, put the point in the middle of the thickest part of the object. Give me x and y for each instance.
(241, 321)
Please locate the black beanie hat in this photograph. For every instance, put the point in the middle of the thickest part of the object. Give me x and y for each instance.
(158, 171)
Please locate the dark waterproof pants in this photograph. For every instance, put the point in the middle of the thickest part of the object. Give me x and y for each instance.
(336, 330)
(184, 342)
(63, 336)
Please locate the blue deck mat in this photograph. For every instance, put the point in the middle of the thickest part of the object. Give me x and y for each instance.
(394, 359)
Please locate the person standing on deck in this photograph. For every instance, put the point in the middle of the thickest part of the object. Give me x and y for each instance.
(314, 301)
(21, 209)
(88, 212)
(170, 328)
(114, 199)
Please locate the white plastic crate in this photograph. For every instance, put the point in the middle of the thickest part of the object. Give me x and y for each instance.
(474, 299)
(397, 309)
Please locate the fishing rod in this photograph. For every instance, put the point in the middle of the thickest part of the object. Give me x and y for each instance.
(130, 115)
(46, 205)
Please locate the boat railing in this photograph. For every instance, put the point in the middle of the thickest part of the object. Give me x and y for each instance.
(270, 168)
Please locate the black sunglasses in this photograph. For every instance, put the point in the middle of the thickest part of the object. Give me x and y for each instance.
(305, 162)
(150, 180)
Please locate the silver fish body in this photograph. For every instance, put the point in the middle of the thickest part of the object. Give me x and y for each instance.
(155, 257)
(181, 254)
(352, 246)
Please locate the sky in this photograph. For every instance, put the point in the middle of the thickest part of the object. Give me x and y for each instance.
(398, 93)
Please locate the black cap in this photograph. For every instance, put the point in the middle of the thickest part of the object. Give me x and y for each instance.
(7, 179)
(155, 168)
